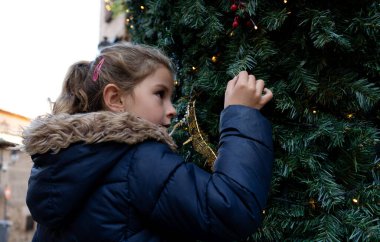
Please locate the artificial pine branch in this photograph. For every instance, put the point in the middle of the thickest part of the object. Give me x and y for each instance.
(321, 60)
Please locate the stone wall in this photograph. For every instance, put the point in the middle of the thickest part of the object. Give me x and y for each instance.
(14, 175)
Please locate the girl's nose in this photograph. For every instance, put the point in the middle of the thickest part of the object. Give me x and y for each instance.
(171, 112)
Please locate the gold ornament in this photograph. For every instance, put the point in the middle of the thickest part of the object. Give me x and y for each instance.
(180, 123)
(199, 141)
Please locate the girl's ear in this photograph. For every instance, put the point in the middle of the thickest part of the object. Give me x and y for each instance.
(113, 98)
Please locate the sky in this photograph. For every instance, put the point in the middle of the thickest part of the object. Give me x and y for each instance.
(39, 41)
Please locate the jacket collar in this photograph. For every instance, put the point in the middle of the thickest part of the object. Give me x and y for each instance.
(54, 132)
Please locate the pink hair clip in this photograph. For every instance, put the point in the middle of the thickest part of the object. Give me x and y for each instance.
(95, 76)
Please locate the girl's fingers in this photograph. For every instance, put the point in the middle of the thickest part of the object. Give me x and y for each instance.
(259, 87)
(252, 82)
(231, 83)
(234, 80)
(242, 77)
(245, 90)
(267, 96)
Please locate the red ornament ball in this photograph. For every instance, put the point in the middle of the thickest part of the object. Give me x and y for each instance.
(235, 24)
(234, 7)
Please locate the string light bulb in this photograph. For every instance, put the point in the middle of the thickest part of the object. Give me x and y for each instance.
(312, 203)
(214, 59)
(142, 7)
(350, 115)
(108, 7)
(285, 1)
(131, 26)
(250, 23)
(355, 200)
(194, 68)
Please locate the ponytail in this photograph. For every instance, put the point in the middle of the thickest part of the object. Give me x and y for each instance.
(73, 97)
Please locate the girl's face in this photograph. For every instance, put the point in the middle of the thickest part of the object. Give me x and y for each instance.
(151, 98)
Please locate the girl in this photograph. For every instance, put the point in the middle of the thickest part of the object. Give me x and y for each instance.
(105, 168)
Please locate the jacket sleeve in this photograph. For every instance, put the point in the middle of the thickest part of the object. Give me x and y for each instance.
(181, 198)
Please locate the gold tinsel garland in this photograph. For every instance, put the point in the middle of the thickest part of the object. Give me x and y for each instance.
(199, 140)
(197, 137)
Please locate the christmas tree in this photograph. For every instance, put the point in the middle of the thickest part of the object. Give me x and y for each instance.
(321, 60)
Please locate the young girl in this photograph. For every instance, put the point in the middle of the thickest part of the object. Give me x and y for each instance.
(105, 168)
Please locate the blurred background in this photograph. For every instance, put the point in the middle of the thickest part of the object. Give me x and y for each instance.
(40, 40)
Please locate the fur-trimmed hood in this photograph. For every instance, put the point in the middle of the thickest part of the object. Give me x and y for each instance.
(72, 154)
(55, 132)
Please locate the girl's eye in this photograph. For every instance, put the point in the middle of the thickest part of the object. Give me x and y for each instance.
(160, 94)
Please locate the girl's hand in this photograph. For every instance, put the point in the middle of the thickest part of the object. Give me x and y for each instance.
(245, 90)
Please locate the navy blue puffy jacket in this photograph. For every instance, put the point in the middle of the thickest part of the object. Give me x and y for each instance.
(111, 191)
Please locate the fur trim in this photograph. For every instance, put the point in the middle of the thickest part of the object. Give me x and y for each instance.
(54, 132)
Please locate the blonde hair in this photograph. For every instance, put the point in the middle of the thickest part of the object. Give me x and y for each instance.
(124, 65)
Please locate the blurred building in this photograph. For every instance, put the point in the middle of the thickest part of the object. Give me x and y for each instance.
(112, 26)
(16, 222)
